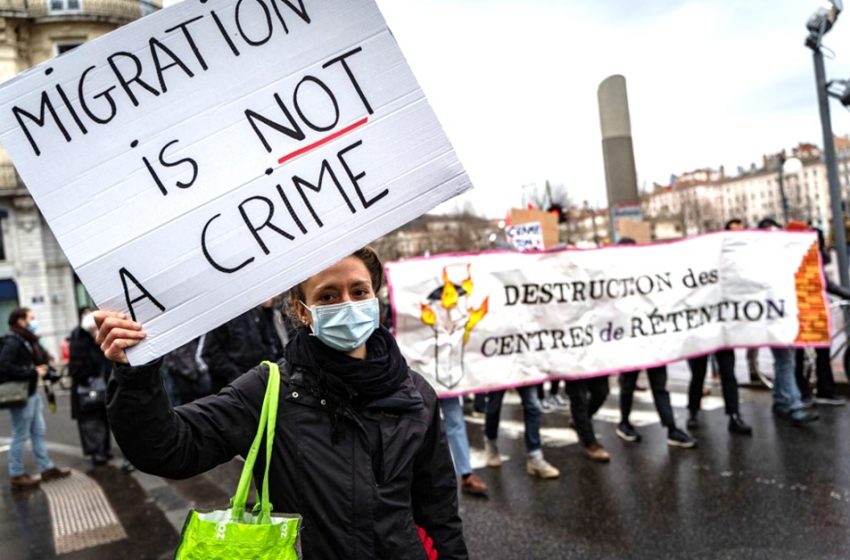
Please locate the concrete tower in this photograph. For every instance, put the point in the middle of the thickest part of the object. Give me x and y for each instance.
(620, 174)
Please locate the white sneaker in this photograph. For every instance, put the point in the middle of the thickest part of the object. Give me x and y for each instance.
(560, 402)
(538, 466)
(491, 453)
(546, 405)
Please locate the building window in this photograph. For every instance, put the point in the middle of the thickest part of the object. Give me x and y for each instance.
(64, 6)
(61, 47)
(147, 7)
(8, 297)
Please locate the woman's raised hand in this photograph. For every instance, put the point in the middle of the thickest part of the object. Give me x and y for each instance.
(115, 333)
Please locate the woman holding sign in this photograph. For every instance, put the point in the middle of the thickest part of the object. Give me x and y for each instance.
(359, 449)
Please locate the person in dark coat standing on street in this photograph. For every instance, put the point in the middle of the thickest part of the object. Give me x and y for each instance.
(23, 359)
(359, 451)
(725, 360)
(188, 371)
(236, 346)
(88, 367)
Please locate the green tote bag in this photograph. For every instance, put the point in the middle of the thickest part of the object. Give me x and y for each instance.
(235, 533)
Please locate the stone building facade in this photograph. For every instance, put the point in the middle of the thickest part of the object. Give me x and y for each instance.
(704, 202)
(33, 270)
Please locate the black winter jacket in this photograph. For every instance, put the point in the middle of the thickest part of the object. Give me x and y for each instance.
(86, 361)
(236, 346)
(361, 497)
(16, 361)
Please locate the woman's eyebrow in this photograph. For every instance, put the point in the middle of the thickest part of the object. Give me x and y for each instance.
(326, 286)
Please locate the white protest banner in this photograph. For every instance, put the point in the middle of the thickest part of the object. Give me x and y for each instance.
(204, 158)
(473, 322)
(525, 237)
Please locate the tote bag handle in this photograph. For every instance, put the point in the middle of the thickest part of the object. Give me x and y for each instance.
(268, 419)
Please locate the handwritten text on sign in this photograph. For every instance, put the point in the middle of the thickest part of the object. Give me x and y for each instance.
(490, 320)
(525, 237)
(206, 157)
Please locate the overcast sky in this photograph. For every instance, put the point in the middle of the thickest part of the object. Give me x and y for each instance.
(710, 82)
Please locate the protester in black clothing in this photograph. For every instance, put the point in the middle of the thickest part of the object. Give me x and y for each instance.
(89, 368)
(236, 346)
(269, 316)
(586, 397)
(189, 372)
(726, 366)
(359, 448)
(658, 383)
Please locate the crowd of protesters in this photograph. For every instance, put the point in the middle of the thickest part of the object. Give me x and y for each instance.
(231, 349)
(217, 362)
(793, 399)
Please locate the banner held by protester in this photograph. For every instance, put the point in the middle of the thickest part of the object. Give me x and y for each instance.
(206, 157)
(475, 322)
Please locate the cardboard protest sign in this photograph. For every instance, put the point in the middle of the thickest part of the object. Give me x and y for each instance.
(525, 237)
(625, 212)
(202, 159)
(547, 221)
(641, 232)
(478, 322)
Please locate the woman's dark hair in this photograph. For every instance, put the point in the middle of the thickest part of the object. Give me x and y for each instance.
(17, 314)
(367, 256)
(733, 222)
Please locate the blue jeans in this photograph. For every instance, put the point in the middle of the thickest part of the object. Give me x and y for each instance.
(531, 413)
(456, 433)
(786, 394)
(28, 423)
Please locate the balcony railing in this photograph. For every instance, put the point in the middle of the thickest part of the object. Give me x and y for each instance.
(121, 11)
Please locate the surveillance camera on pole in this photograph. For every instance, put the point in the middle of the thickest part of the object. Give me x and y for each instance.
(822, 21)
(818, 25)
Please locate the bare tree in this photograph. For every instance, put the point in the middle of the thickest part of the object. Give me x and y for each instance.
(550, 196)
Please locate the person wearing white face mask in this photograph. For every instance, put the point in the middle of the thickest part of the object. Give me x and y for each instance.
(359, 449)
(23, 359)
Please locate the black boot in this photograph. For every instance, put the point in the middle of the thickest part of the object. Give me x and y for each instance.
(738, 426)
(693, 421)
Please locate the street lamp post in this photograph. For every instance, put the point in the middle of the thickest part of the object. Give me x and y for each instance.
(818, 25)
(783, 199)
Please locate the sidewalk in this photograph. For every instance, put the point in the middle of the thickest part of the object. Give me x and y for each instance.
(99, 513)
(149, 512)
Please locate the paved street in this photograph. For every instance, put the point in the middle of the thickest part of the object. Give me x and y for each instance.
(784, 493)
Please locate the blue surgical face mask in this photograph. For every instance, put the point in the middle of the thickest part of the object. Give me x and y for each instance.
(32, 326)
(345, 326)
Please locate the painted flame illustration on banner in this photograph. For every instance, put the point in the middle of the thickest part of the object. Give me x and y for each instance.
(449, 311)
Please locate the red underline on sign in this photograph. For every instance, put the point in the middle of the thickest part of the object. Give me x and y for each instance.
(323, 141)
